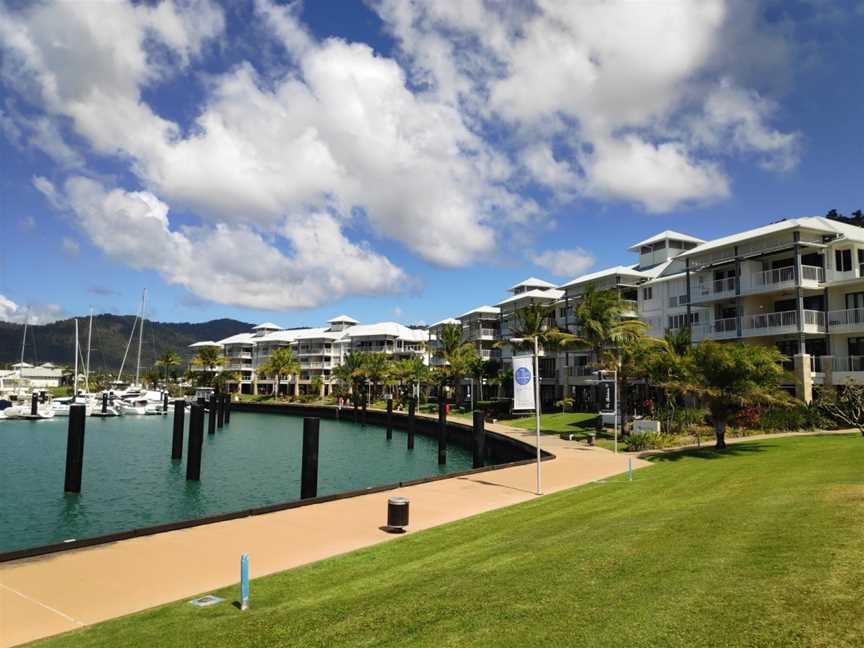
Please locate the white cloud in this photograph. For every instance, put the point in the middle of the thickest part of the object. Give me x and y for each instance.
(564, 263)
(231, 264)
(30, 313)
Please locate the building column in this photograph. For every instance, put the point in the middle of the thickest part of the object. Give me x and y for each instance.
(687, 285)
(799, 295)
(738, 306)
(803, 378)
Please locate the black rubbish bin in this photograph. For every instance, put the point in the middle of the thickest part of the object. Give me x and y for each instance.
(397, 514)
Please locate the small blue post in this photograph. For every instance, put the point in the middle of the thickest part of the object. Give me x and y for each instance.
(244, 582)
(629, 468)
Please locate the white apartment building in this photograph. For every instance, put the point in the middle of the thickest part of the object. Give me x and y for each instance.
(796, 284)
(318, 350)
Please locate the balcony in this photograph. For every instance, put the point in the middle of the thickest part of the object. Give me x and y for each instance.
(782, 323)
(846, 320)
(716, 289)
(630, 307)
(720, 329)
(242, 355)
(845, 364)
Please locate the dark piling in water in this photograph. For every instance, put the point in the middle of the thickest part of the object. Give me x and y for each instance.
(196, 439)
(75, 448)
(177, 438)
(309, 473)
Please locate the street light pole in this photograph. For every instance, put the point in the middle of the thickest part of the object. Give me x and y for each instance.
(537, 408)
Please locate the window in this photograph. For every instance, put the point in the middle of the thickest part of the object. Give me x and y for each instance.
(861, 263)
(645, 249)
(648, 293)
(660, 245)
(843, 260)
(854, 300)
(676, 245)
(680, 321)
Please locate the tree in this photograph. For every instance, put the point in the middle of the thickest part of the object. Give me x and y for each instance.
(221, 380)
(412, 373)
(725, 377)
(169, 360)
(459, 354)
(603, 329)
(376, 367)
(352, 372)
(846, 404)
(282, 362)
(208, 358)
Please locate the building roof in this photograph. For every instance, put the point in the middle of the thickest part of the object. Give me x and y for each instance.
(449, 320)
(392, 329)
(317, 334)
(662, 236)
(483, 310)
(267, 326)
(340, 319)
(207, 343)
(240, 338)
(607, 272)
(817, 223)
(534, 294)
(532, 281)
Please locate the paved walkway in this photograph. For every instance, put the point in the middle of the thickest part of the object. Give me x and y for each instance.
(56, 593)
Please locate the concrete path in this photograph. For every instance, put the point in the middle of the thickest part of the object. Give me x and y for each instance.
(56, 593)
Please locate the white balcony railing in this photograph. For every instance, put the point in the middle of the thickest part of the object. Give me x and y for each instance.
(580, 371)
(768, 323)
(847, 363)
(777, 276)
(812, 273)
(852, 317)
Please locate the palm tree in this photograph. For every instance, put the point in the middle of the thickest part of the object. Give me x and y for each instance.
(352, 372)
(603, 329)
(413, 373)
(460, 356)
(376, 366)
(168, 360)
(282, 362)
(208, 358)
(222, 379)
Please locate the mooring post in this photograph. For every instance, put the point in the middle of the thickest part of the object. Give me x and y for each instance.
(34, 404)
(227, 409)
(211, 420)
(365, 400)
(411, 406)
(104, 403)
(220, 410)
(244, 582)
(389, 418)
(309, 472)
(165, 402)
(177, 439)
(442, 431)
(479, 438)
(196, 439)
(75, 448)
(354, 399)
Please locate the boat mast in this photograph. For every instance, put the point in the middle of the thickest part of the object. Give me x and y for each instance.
(23, 342)
(140, 338)
(87, 363)
(75, 384)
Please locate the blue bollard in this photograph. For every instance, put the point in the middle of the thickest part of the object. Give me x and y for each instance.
(244, 582)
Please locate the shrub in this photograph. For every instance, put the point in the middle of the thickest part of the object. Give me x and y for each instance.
(677, 420)
(790, 418)
(646, 441)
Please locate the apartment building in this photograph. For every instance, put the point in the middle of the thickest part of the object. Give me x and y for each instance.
(797, 284)
(318, 350)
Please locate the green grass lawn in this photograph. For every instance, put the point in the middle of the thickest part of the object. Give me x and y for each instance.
(579, 423)
(762, 545)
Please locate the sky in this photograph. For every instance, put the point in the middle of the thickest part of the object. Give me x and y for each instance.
(398, 160)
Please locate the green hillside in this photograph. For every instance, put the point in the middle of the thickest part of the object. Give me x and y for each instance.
(55, 342)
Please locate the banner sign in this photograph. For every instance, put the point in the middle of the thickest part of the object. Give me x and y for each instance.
(523, 383)
(607, 396)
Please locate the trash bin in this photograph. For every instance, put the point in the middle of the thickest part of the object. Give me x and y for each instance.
(397, 514)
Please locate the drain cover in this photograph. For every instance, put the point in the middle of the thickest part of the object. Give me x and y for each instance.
(205, 601)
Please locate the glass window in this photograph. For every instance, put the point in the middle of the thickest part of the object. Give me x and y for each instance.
(660, 245)
(645, 249)
(855, 300)
(648, 293)
(843, 260)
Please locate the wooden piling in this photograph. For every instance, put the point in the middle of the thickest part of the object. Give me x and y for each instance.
(211, 419)
(411, 417)
(389, 418)
(442, 431)
(479, 438)
(177, 439)
(309, 471)
(196, 440)
(75, 448)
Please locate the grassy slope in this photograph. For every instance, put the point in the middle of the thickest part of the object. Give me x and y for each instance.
(760, 546)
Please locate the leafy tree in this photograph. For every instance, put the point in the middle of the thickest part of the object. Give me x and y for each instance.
(726, 377)
(352, 372)
(603, 329)
(281, 363)
(209, 359)
(315, 384)
(459, 354)
(412, 373)
(376, 367)
(221, 380)
(169, 360)
(845, 404)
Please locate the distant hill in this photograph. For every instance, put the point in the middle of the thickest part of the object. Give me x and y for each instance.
(55, 342)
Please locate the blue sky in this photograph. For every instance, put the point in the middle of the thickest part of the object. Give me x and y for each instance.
(391, 160)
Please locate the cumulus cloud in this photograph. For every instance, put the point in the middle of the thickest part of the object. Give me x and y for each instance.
(230, 264)
(29, 313)
(564, 263)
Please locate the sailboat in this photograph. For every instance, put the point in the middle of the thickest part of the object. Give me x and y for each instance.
(61, 406)
(23, 409)
(136, 399)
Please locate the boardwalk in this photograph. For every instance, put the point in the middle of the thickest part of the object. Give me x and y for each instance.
(56, 593)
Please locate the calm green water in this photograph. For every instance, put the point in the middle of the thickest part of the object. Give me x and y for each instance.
(129, 480)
